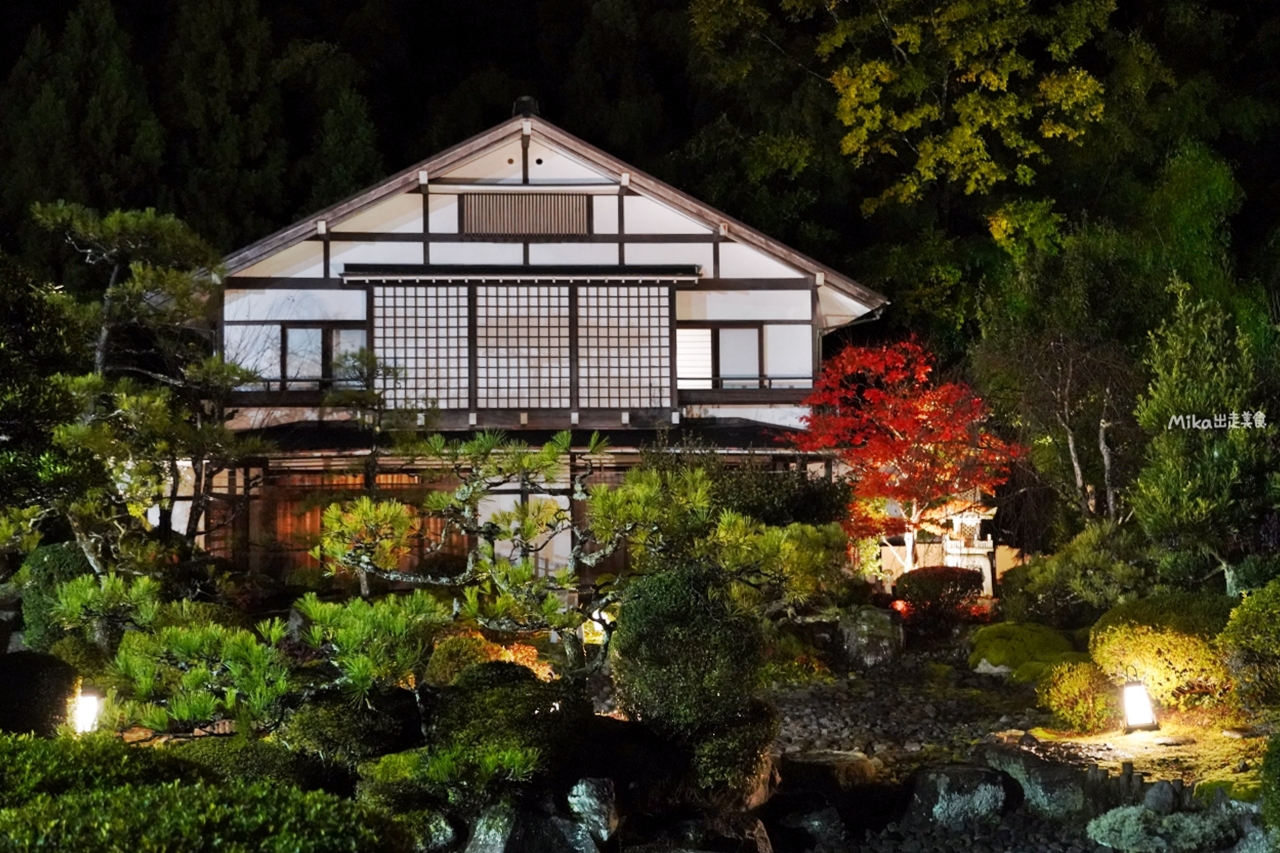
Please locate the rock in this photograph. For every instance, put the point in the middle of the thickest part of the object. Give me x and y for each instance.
(431, 831)
(1052, 791)
(16, 643)
(951, 795)
(760, 789)
(593, 802)
(870, 636)
(1160, 798)
(503, 829)
(829, 771)
(1174, 741)
(985, 667)
(823, 827)
(1240, 734)
(493, 831)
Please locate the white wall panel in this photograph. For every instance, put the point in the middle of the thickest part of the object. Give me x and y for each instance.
(788, 351)
(443, 213)
(501, 164)
(646, 216)
(741, 304)
(644, 254)
(401, 214)
(304, 260)
(255, 348)
(693, 358)
(477, 253)
(741, 261)
(560, 166)
(573, 253)
(291, 305)
(341, 254)
(605, 213)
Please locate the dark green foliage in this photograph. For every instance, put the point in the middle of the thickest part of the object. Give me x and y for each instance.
(683, 660)
(86, 658)
(1081, 696)
(34, 766)
(938, 597)
(337, 731)
(195, 818)
(1253, 572)
(47, 567)
(34, 689)
(1169, 641)
(1251, 642)
(251, 760)
(730, 756)
(1102, 566)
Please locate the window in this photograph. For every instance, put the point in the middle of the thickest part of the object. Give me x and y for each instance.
(314, 355)
(735, 355)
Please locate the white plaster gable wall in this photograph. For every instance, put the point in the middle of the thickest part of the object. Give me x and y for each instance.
(743, 304)
(443, 214)
(741, 261)
(647, 254)
(342, 253)
(400, 214)
(572, 253)
(304, 260)
(560, 167)
(286, 305)
(837, 309)
(500, 164)
(646, 216)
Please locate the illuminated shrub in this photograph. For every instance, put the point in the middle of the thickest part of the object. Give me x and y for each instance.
(1251, 642)
(453, 655)
(1169, 641)
(1271, 782)
(938, 597)
(1081, 696)
(730, 756)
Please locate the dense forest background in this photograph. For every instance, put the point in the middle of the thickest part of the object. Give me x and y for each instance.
(1031, 184)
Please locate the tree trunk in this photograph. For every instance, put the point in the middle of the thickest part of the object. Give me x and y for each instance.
(1106, 468)
(87, 547)
(1081, 493)
(909, 563)
(364, 583)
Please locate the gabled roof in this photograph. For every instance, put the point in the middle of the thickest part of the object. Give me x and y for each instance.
(645, 184)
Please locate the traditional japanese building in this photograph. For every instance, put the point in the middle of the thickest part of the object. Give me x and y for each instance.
(527, 281)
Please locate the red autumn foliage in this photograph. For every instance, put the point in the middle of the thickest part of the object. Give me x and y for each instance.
(904, 438)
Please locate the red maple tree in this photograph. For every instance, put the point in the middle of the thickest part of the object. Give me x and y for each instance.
(906, 439)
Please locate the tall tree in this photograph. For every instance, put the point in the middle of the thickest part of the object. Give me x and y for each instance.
(222, 108)
(78, 124)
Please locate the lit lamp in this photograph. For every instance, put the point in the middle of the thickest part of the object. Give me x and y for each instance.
(1138, 714)
(85, 708)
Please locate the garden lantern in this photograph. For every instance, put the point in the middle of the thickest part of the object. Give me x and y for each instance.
(85, 708)
(1138, 714)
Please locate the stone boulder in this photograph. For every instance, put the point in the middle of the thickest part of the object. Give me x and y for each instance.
(504, 828)
(952, 795)
(1139, 829)
(827, 771)
(1050, 790)
(870, 636)
(822, 827)
(594, 803)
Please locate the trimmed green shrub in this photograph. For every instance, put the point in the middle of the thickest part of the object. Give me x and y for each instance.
(43, 571)
(336, 731)
(1012, 644)
(732, 755)
(1137, 829)
(1169, 641)
(77, 652)
(34, 766)
(198, 818)
(1081, 696)
(249, 760)
(938, 597)
(1251, 642)
(683, 660)
(34, 689)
